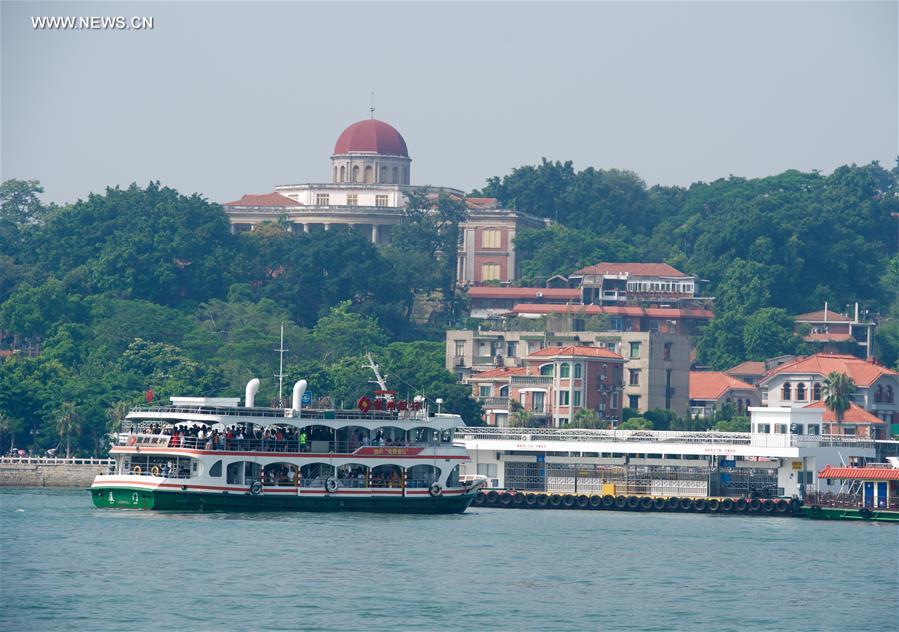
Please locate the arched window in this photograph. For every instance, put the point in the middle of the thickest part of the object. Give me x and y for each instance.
(546, 369)
(342, 173)
(565, 370)
(396, 175)
(383, 174)
(335, 174)
(355, 173)
(787, 390)
(888, 395)
(504, 391)
(405, 175)
(490, 272)
(816, 391)
(878, 393)
(369, 174)
(577, 370)
(800, 391)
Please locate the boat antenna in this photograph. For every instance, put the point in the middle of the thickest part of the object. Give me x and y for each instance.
(379, 379)
(280, 373)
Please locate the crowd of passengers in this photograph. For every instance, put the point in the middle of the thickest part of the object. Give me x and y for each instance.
(238, 438)
(356, 477)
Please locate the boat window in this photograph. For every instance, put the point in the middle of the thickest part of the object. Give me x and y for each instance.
(279, 474)
(353, 475)
(315, 474)
(216, 469)
(387, 476)
(452, 480)
(235, 473)
(422, 475)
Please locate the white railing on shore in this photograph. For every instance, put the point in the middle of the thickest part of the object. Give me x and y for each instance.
(658, 436)
(55, 460)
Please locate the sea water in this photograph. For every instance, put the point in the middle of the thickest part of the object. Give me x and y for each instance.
(66, 565)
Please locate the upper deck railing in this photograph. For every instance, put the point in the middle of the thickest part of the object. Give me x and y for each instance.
(147, 440)
(285, 413)
(658, 437)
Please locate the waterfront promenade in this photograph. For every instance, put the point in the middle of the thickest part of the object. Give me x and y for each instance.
(50, 471)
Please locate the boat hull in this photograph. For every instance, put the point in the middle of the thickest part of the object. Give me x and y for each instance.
(848, 513)
(130, 498)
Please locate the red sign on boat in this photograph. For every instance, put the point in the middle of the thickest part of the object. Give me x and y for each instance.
(386, 451)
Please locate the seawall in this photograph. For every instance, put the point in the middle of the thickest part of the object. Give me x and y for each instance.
(49, 472)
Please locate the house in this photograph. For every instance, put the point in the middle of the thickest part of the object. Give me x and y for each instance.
(711, 390)
(801, 382)
(833, 333)
(687, 321)
(489, 302)
(856, 421)
(751, 371)
(656, 365)
(553, 386)
(635, 283)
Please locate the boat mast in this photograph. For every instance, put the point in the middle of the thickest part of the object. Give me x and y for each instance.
(379, 379)
(280, 373)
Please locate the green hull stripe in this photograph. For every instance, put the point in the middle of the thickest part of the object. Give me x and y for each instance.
(129, 498)
(839, 513)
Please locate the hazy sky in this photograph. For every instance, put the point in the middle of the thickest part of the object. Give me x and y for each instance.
(226, 98)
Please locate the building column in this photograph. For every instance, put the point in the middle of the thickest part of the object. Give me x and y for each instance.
(374, 234)
(305, 228)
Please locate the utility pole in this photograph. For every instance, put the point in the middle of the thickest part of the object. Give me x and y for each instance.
(280, 373)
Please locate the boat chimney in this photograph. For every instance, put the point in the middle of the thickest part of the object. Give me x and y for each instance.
(250, 394)
(856, 312)
(298, 389)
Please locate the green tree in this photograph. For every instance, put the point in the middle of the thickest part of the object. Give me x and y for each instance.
(744, 289)
(838, 391)
(636, 423)
(33, 311)
(68, 422)
(769, 333)
(588, 418)
(11, 426)
(19, 202)
(342, 333)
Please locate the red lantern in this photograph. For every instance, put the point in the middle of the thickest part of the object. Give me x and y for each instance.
(149, 395)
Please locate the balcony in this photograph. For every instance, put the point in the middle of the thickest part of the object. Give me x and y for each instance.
(494, 402)
(531, 380)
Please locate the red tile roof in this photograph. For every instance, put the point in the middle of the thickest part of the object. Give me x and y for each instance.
(635, 312)
(750, 367)
(575, 350)
(710, 385)
(855, 415)
(863, 373)
(481, 202)
(525, 293)
(497, 373)
(636, 269)
(861, 473)
(821, 316)
(266, 199)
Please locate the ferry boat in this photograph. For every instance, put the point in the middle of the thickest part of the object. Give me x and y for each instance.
(212, 454)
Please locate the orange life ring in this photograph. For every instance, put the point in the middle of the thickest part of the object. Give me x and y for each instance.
(132, 440)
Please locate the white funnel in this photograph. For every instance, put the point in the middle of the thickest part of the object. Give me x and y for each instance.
(250, 395)
(298, 389)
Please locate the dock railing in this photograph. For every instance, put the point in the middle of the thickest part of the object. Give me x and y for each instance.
(54, 460)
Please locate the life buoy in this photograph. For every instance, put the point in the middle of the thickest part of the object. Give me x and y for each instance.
(154, 470)
(132, 440)
(331, 485)
(136, 470)
(256, 488)
(865, 513)
(435, 490)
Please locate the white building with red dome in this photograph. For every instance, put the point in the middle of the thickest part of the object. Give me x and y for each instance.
(370, 177)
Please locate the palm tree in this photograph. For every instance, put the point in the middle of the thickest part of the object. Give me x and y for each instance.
(67, 422)
(838, 390)
(12, 426)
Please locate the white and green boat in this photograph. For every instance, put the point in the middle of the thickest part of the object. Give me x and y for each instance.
(211, 454)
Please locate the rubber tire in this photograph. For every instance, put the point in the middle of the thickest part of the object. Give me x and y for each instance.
(505, 499)
(782, 506)
(492, 497)
(700, 505)
(866, 513)
(646, 503)
(608, 501)
(530, 500)
(555, 500)
(621, 502)
(480, 498)
(518, 498)
(685, 504)
(755, 505)
(582, 502)
(596, 502)
(714, 505)
(768, 506)
(542, 500)
(568, 501)
(659, 504)
(727, 505)
(671, 503)
(741, 505)
(633, 503)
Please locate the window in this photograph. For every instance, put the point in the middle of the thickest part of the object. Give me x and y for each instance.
(666, 351)
(369, 174)
(780, 428)
(563, 398)
(546, 369)
(490, 238)
(787, 390)
(654, 325)
(342, 173)
(577, 398)
(511, 349)
(635, 350)
(633, 377)
(460, 348)
(577, 371)
(813, 429)
(396, 176)
(484, 390)
(352, 199)
(763, 428)
(383, 177)
(878, 393)
(322, 199)
(633, 401)
(565, 370)
(487, 469)
(216, 469)
(849, 430)
(537, 401)
(490, 272)
(356, 173)
(816, 392)
(615, 324)
(613, 400)
(381, 200)
(888, 395)
(800, 391)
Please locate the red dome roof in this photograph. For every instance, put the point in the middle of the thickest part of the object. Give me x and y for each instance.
(371, 136)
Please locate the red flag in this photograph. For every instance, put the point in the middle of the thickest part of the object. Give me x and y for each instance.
(150, 395)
